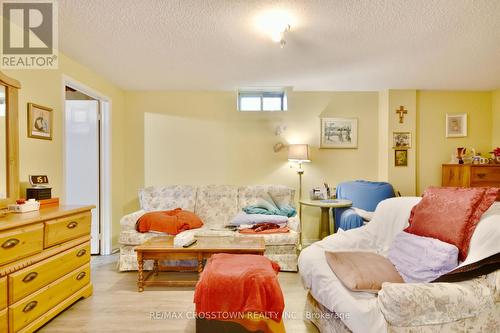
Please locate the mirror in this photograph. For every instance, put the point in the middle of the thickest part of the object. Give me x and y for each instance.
(9, 140)
(3, 144)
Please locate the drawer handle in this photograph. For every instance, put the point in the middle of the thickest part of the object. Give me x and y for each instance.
(30, 306)
(481, 175)
(10, 243)
(81, 275)
(81, 253)
(72, 225)
(30, 277)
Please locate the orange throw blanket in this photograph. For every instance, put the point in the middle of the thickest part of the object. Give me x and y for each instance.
(234, 284)
(169, 221)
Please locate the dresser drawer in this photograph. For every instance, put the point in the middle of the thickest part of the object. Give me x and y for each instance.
(485, 175)
(3, 293)
(3, 320)
(30, 308)
(34, 277)
(21, 242)
(70, 227)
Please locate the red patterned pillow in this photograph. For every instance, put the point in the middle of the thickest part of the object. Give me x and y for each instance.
(451, 214)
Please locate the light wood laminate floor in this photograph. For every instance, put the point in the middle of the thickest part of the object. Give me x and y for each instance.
(116, 306)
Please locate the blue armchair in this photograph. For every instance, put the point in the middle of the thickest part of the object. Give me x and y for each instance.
(364, 195)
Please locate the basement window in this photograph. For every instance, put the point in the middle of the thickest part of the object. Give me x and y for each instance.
(273, 100)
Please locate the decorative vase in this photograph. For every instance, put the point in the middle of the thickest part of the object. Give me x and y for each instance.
(460, 153)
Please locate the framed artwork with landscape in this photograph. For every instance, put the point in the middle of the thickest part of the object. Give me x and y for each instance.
(401, 140)
(339, 133)
(39, 122)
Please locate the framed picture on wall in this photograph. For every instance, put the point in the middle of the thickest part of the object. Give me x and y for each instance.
(39, 122)
(401, 140)
(400, 157)
(456, 125)
(339, 133)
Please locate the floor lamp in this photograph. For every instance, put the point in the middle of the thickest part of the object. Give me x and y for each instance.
(299, 153)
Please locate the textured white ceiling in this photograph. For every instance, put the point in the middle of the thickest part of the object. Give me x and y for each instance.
(335, 45)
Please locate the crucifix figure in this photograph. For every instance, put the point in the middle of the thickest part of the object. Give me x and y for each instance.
(401, 111)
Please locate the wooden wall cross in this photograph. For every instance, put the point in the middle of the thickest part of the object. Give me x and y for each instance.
(401, 111)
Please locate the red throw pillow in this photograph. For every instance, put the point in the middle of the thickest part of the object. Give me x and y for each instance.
(170, 221)
(490, 196)
(450, 214)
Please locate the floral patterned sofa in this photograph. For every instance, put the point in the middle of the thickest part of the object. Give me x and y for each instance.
(216, 205)
(472, 305)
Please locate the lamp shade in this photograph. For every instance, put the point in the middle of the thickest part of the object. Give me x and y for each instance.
(298, 153)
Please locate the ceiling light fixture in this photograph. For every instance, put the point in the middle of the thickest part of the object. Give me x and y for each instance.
(276, 24)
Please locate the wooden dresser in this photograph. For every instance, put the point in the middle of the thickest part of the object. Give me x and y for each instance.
(471, 175)
(44, 265)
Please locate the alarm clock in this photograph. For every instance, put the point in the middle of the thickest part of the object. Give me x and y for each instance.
(39, 189)
(39, 181)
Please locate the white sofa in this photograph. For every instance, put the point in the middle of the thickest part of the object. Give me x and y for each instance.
(216, 205)
(467, 306)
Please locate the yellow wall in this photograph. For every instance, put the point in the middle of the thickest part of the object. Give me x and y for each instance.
(200, 138)
(402, 178)
(434, 148)
(36, 156)
(495, 139)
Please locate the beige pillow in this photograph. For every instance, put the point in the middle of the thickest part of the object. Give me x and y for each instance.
(362, 271)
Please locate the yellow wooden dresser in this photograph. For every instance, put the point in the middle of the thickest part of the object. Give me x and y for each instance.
(44, 265)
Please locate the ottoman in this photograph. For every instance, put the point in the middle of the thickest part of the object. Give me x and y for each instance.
(239, 293)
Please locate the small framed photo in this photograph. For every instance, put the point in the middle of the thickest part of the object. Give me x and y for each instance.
(400, 157)
(39, 122)
(401, 140)
(456, 125)
(339, 133)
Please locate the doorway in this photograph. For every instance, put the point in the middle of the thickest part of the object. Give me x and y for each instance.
(85, 160)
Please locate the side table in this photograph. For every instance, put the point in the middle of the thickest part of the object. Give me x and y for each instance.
(325, 206)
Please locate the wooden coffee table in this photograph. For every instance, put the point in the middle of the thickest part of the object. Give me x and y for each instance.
(162, 248)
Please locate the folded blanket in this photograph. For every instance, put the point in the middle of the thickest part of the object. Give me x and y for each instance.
(422, 259)
(235, 284)
(268, 206)
(243, 218)
(260, 231)
(169, 221)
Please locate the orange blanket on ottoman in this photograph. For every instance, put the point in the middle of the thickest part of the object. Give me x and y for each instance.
(239, 288)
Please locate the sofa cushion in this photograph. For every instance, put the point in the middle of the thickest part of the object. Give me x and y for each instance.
(291, 237)
(248, 195)
(168, 197)
(448, 214)
(362, 271)
(132, 237)
(216, 205)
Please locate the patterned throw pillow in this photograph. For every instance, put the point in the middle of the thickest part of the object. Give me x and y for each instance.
(451, 214)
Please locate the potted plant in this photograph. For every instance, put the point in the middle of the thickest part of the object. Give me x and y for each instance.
(495, 154)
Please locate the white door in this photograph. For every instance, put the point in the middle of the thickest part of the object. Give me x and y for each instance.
(82, 159)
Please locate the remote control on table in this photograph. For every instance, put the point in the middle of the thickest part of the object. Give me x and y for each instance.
(188, 244)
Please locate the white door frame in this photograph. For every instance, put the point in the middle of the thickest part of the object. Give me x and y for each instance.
(105, 226)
